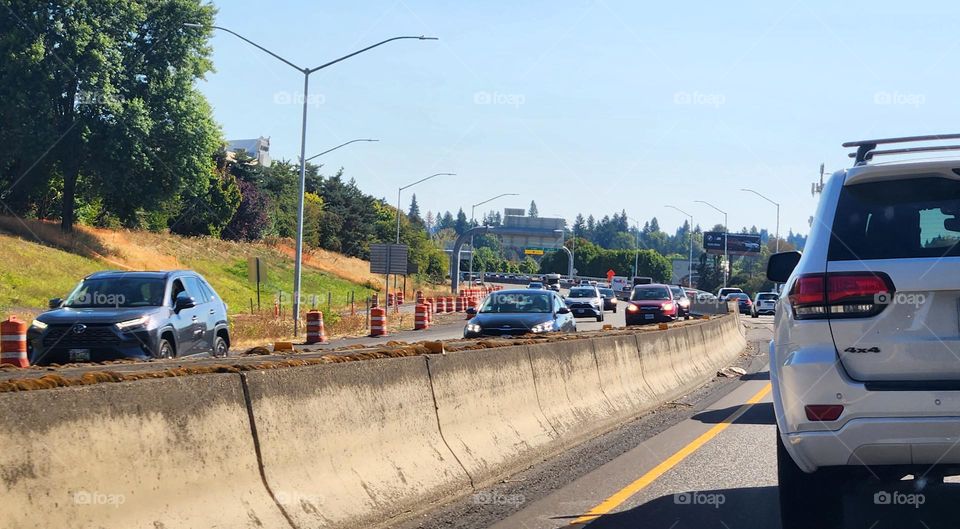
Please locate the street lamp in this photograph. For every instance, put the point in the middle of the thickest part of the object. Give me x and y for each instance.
(399, 190)
(636, 253)
(778, 214)
(690, 265)
(472, 220)
(726, 232)
(303, 144)
(337, 147)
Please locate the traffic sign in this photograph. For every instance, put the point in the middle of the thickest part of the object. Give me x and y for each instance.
(533, 251)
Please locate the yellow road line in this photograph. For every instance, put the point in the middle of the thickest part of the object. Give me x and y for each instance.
(623, 494)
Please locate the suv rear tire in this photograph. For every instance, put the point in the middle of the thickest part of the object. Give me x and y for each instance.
(165, 349)
(220, 347)
(808, 500)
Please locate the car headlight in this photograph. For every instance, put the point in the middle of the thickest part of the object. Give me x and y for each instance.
(38, 325)
(130, 324)
(473, 327)
(546, 326)
(632, 308)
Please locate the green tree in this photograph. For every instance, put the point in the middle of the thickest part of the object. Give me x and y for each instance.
(533, 212)
(108, 86)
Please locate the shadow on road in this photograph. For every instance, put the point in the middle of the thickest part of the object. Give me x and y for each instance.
(759, 375)
(876, 505)
(753, 507)
(760, 413)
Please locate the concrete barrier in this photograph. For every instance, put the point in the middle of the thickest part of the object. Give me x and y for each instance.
(352, 444)
(568, 388)
(356, 444)
(621, 375)
(174, 452)
(488, 411)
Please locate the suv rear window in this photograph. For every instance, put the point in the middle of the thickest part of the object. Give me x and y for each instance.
(918, 217)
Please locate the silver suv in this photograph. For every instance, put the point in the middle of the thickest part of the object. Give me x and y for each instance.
(865, 360)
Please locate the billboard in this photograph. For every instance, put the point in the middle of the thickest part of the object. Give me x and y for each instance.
(388, 259)
(737, 243)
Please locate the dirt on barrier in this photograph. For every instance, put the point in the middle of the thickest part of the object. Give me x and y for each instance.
(391, 349)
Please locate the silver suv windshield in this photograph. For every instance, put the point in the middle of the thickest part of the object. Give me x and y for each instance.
(117, 292)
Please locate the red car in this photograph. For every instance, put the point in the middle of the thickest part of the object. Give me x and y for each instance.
(652, 303)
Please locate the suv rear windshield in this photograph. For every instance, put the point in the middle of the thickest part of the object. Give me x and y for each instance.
(918, 217)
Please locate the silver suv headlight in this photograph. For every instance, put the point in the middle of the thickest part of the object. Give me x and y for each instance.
(546, 326)
(130, 324)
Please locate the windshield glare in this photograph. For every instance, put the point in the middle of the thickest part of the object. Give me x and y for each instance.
(650, 293)
(516, 302)
(117, 292)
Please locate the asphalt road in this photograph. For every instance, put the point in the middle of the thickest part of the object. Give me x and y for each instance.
(712, 465)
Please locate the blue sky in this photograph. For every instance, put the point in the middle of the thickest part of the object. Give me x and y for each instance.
(591, 106)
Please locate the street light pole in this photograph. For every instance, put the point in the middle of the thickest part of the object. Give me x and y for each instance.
(338, 146)
(400, 190)
(726, 232)
(690, 262)
(777, 235)
(303, 145)
(473, 219)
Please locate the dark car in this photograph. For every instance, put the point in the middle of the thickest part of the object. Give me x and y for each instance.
(651, 303)
(140, 315)
(517, 312)
(743, 302)
(683, 302)
(609, 299)
(585, 302)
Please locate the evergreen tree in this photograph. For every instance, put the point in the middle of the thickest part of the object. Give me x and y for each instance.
(414, 214)
(462, 224)
(533, 210)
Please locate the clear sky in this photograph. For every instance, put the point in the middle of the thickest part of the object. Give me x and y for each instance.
(591, 106)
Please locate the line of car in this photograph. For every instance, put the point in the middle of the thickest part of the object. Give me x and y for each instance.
(538, 310)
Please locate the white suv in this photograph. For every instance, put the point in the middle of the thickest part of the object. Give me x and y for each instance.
(865, 360)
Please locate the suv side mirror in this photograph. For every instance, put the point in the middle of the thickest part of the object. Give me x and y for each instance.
(563, 310)
(184, 301)
(55, 303)
(471, 311)
(781, 265)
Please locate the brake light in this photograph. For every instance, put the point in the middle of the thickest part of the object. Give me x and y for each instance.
(823, 412)
(840, 295)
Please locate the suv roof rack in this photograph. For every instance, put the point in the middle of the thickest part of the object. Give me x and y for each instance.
(866, 149)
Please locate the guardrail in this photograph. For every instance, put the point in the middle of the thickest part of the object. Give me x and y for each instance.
(356, 444)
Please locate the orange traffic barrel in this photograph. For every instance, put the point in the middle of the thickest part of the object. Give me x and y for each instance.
(421, 320)
(13, 342)
(316, 333)
(378, 322)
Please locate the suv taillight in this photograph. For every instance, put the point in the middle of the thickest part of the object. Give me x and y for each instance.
(840, 295)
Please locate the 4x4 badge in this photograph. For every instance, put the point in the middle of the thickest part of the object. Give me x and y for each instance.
(861, 350)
